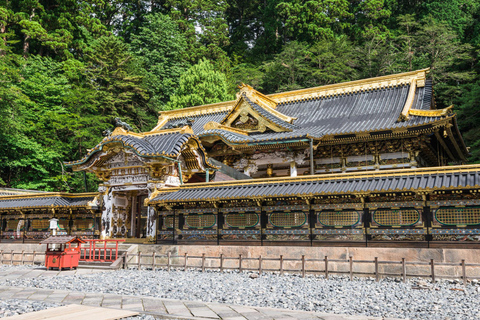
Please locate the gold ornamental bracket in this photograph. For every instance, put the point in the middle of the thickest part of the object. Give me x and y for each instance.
(244, 117)
(416, 81)
(256, 96)
(431, 113)
(103, 175)
(215, 125)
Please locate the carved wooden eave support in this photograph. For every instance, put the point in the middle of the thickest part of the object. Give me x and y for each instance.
(156, 169)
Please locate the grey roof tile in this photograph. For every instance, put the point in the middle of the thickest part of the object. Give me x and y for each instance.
(44, 202)
(364, 111)
(387, 183)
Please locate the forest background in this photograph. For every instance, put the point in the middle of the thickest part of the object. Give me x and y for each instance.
(69, 67)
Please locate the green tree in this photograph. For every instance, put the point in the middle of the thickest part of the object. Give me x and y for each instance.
(114, 75)
(161, 50)
(200, 84)
(313, 20)
(449, 60)
(332, 61)
(204, 25)
(289, 70)
(469, 117)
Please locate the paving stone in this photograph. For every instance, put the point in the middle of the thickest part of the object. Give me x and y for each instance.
(203, 312)
(40, 295)
(74, 297)
(24, 294)
(132, 303)
(177, 308)
(154, 305)
(56, 296)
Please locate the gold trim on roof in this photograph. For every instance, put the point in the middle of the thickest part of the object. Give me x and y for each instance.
(256, 96)
(343, 176)
(431, 113)
(418, 76)
(354, 86)
(120, 131)
(408, 104)
(215, 125)
(262, 100)
(50, 194)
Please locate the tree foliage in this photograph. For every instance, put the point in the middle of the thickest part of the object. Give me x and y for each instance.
(200, 84)
(68, 67)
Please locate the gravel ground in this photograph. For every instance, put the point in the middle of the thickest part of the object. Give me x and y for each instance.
(13, 307)
(416, 299)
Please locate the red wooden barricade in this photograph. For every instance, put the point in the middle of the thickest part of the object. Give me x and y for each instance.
(99, 250)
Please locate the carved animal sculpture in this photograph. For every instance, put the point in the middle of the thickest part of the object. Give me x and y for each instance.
(124, 125)
(188, 122)
(107, 133)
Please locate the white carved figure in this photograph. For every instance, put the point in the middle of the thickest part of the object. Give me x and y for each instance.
(107, 215)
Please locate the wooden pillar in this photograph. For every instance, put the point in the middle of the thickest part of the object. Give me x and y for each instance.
(220, 221)
(263, 223)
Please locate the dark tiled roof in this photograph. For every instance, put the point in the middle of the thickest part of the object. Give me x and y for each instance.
(13, 191)
(362, 111)
(409, 180)
(268, 115)
(168, 144)
(199, 121)
(44, 202)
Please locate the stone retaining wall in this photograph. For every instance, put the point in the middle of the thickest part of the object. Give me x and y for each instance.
(333, 253)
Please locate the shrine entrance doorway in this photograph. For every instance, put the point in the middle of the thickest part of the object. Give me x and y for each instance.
(139, 223)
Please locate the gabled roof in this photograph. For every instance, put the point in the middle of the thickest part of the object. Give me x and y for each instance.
(252, 102)
(47, 200)
(412, 180)
(166, 143)
(394, 105)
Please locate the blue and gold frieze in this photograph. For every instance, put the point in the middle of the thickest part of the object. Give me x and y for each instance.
(287, 231)
(165, 232)
(287, 208)
(395, 204)
(436, 231)
(334, 206)
(396, 231)
(453, 203)
(241, 209)
(200, 210)
(195, 232)
(337, 231)
(240, 232)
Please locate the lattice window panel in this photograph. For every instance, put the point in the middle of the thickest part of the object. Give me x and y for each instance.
(396, 217)
(458, 216)
(84, 224)
(40, 224)
(12, 225)
(242, 220)
(199, 221)
(63, 224)
(288, 219)
(339, 218)
(168, 222)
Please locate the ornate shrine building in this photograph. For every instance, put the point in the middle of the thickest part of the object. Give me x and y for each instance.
(368, 162)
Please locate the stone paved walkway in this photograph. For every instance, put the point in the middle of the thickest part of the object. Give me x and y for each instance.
(162, 308)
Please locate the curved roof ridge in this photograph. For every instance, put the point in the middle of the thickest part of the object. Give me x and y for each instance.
(301, 94)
